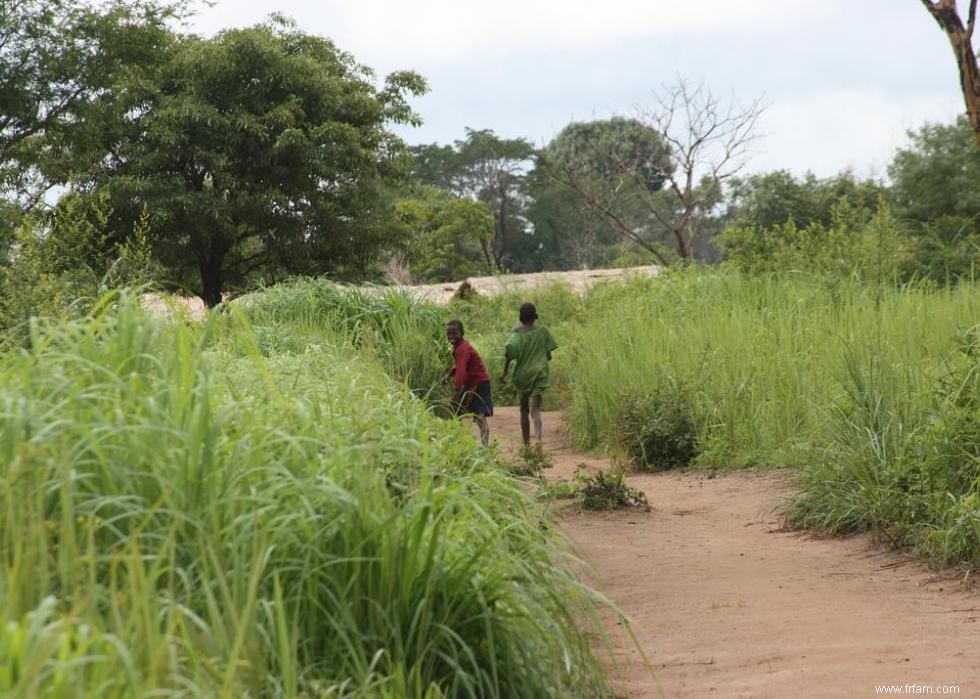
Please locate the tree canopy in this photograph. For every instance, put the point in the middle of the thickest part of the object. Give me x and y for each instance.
(260, 150)
(443, 236)
(773, 198)
(613, 166)
(938, 174)
(657, 178)
(934, 186)
(59, 63)
(492, 170)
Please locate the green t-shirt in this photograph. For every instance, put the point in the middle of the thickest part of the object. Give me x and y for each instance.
(529, 352)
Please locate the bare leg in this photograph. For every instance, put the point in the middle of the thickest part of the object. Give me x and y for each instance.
(536, 417)
(484, 429)
(525, 423)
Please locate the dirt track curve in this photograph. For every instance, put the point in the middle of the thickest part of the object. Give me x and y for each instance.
(725, 603)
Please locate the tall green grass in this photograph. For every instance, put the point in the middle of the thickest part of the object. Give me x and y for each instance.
(761, 360)
(905, 458)
(405, 334)
(185, 512)
(871, 390)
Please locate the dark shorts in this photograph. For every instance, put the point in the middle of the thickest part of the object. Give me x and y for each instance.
(477, 402)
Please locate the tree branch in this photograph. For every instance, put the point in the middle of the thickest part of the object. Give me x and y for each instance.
(593, 203)
(960, 38)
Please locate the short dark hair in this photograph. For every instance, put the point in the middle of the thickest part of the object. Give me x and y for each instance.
(456, 324)
(528, 313)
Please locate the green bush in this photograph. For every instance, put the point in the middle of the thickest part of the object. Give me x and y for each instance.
(656, 430)
(904, 462)
(606, 490)
(856, 241)
(531, 460)
(58, 266)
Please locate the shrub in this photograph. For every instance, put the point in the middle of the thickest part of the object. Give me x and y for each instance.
(606, 490)
(656, 430)
(531, 460)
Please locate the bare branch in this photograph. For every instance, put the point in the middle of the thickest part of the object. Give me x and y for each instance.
(568, 178)
(710, 142)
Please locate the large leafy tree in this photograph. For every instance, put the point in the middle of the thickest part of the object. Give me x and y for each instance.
(442, 235)
(258, 152)
(492, 170)
(59, 62)
(937, 174)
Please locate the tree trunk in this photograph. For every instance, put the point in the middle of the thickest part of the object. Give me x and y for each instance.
(499, 252)
(961, 39)
(212, 275)
(485, 246)
(683, 245)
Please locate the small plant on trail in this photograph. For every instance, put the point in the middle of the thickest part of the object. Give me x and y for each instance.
(606, 490)
(656, 430)
(532, 459)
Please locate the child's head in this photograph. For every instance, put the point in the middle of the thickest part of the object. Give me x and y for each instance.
(454, 331)
(528, 313)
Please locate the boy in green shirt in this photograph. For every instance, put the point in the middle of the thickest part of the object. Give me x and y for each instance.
(530, 349)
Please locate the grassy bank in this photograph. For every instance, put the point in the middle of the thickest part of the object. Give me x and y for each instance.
(212, 510)
(872, 391)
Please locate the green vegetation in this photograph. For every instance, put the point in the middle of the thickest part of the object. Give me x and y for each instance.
(605, 490)
(261, 150)
(655, 430)
(531, 460)
(266, 504)
(60, 269)
(759, 359)
(188, 510)
(405, 335)
(443, 236)
(905, 458)
(491, 170)
(871, 390)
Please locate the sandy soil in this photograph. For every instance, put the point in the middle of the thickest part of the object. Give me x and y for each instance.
(577, 280)
(725, 603)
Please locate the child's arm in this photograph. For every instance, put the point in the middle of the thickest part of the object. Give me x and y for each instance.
(503, 374)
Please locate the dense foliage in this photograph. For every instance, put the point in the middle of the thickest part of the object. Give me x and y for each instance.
(870, 389)
(491, 170)
(61, 62)
(189, 511)
(259, 152)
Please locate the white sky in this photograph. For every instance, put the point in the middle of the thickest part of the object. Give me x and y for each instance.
(843, 79)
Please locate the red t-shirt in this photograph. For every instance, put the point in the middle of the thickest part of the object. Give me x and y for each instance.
(469, 367)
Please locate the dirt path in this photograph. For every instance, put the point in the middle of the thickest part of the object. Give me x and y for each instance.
(726, 604)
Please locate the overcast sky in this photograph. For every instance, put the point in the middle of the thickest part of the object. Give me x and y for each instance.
(843, 79)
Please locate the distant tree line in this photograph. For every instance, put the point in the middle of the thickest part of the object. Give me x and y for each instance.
(130, 150)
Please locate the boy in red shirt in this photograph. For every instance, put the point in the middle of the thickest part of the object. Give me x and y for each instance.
(470, 380)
